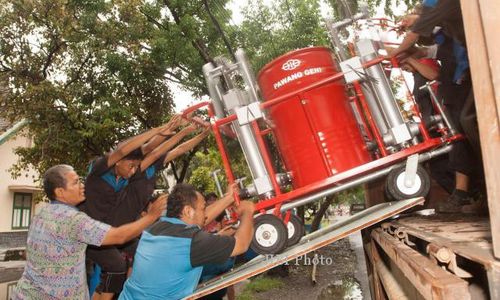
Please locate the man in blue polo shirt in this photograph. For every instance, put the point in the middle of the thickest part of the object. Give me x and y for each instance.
(172, 252)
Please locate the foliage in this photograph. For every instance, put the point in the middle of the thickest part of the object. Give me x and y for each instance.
(259, 284)
(389, 4)
(270, 31)
(88, 74)
(205, 163)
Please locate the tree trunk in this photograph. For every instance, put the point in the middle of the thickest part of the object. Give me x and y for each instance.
(219, 29)
(301, 211)
(321, 212)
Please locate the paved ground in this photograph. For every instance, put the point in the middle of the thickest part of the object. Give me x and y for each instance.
(345, 278)
(334, 279)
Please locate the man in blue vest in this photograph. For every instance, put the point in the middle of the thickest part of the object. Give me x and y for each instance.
(172, 252)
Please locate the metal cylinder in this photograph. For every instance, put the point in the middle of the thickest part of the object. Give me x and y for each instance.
(316, 131)
(439, 106)
(381, 87)
(333, 33)
(254, 159)
(214, 88)
(375, 110)
(248, 75)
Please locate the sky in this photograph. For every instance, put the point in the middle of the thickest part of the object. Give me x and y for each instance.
(184, 99)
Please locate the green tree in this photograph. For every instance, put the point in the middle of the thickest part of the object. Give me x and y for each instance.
(268, 31)
(90, 73)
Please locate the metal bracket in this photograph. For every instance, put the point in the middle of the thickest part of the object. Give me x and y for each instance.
(387, 228)
(402, 235)
(400, 133)
(411, 170)
(439, 106)
(352, 69)
(249, 113)
(234, 98)
(263, 185)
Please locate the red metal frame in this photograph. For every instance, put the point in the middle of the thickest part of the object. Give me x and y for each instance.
(371, 123)
(416, 110)
(352, 173)
(265, 156)
(386, 159)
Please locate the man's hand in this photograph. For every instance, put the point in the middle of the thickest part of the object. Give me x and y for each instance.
(170, 127)
(191, 128)
(156, 208)
(407, 22)
(205, 132)
(244, 234)
(185, 120)
(390, 52)
(231, 190)
(227, 231)
(200, 122)
(175, 121)
(245, 208)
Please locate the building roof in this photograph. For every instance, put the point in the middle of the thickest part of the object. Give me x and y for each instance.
(7, 130)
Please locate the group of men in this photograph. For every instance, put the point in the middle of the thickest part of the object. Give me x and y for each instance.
(437, 26)
(167, 261)
(112, 210)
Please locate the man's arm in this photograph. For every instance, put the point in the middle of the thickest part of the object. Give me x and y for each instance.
(124, 233)
(168, 131)
(425, 70)
(165, 147)
(409, 40)
(186, 146)
(244, 233)
(208, 248)
(216, 208)
(124, 148)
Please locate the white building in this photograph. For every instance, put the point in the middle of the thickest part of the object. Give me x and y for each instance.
(17, 204)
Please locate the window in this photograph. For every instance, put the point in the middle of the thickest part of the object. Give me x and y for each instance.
(21, 213)
(10, 289)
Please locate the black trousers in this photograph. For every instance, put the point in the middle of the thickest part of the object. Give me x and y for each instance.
(114, 263)
(462, 156)
(468, 122)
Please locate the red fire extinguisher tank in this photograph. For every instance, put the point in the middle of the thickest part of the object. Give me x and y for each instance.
(316, 131)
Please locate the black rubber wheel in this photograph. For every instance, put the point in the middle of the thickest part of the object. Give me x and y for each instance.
(397, 190)
(295, 229)
(270, 235)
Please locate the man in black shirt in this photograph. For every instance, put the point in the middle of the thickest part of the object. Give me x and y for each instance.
(444, 13)
(455, 85)
(139, 191)
(425, 70)
(108, 177)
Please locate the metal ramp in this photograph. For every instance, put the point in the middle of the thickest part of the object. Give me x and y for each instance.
(308, 243)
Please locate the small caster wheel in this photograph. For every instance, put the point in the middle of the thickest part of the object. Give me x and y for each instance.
(296, 230)
(397, 189)
(270, 235)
